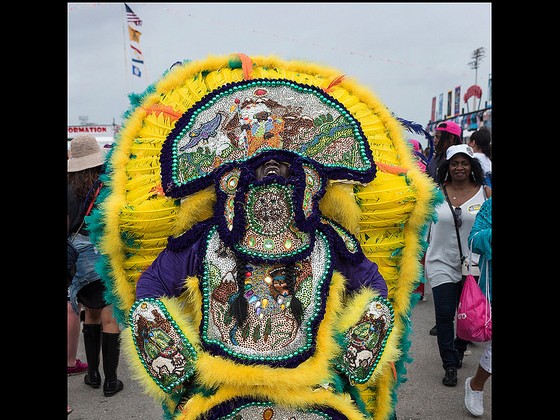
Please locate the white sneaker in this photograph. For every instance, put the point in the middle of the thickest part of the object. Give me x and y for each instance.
(474, 400)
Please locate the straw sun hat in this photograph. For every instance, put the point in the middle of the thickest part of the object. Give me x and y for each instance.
(84, 153)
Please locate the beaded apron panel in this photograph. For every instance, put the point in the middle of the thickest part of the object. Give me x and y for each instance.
(252, 410)
(271, 333)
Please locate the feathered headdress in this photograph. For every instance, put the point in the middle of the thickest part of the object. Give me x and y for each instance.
(203, 120)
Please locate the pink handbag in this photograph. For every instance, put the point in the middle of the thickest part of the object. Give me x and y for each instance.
(474, 314)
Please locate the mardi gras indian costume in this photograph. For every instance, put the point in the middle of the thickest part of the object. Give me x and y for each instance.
(273, 298)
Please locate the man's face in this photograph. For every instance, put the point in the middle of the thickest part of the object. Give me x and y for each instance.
(272, 167)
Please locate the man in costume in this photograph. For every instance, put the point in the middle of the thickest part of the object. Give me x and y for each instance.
(262, 221)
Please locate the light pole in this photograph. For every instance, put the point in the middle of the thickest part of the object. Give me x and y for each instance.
(477, 57)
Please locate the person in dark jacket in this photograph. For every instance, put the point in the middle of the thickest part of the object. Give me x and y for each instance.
(447, 134)
(100, 329)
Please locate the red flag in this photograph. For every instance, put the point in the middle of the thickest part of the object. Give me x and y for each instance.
(136, 52)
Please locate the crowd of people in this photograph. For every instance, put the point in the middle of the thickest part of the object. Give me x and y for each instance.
(464, 176)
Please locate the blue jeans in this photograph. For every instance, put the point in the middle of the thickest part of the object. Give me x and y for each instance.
(446, 300)
(85, 267)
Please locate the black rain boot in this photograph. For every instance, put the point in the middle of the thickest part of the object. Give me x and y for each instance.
(92, 345)
(111, 353)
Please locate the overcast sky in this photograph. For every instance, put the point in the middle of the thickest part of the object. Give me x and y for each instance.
(405, 53)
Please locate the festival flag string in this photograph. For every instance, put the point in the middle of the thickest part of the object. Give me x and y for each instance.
(136, 56)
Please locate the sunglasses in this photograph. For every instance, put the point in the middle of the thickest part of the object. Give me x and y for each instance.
(457, 216)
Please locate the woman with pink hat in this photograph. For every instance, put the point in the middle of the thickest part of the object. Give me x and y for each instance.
(447, 134)
(418, 154)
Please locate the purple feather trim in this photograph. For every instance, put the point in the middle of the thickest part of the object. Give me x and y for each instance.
(414, 127)
(189, 237)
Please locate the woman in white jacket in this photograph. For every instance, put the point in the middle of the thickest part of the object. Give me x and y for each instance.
(462, 184)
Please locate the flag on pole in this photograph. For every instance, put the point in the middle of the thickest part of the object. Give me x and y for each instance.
(134, 52)
(131, 16)
(134, 35)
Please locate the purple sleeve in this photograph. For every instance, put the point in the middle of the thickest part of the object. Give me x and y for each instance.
(166, 276)
(364, 274)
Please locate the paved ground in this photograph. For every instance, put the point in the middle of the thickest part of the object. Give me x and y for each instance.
(422, 397)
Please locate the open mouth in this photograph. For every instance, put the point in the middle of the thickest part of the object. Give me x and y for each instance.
(272, 170)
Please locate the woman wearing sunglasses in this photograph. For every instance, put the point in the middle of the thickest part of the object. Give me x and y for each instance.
(462, 181)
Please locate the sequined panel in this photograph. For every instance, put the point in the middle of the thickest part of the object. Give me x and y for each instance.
(271, 230)
(312, 186)
(164, 351)
(245, 118)
(269, 209)
(228, 184)
(271, 333)
(365, 341)
(270, 411)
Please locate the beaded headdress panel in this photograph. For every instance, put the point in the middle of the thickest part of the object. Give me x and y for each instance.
(240, 120)
(230, 130)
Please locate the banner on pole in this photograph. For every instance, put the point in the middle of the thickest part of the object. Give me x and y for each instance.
(134, 50)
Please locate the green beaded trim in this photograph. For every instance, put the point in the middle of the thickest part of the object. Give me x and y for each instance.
(312, 187)
(349, 240)
(228, 184)
(165, 352)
